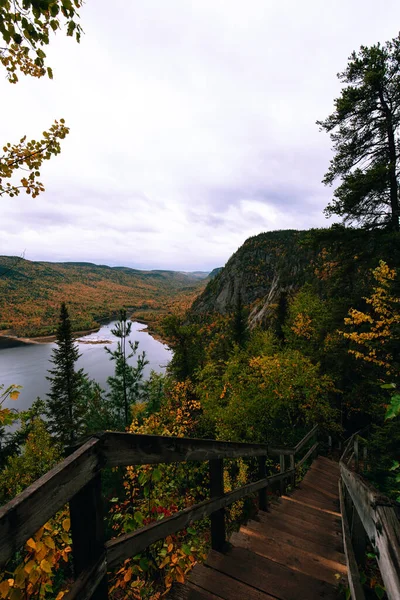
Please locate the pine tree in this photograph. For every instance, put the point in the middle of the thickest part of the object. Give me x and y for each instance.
(125, 385)
(64, 404)
(364, 129)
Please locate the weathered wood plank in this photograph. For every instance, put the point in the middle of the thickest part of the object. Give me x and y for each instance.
(353, 575)
(217, 518)
(297, 559)
(27, 512)
(189, 591)
(88, 581)
(224, 586)
(308, 454)
(306, 438)
(122, 449)
(269, 576)
(306, 502)
(131, 544)
(275, 537)
(88, 532)
(381, 525)
(307, 515)
(307, 485)
(291, 524)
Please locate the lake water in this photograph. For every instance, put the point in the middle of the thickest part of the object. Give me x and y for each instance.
(27, 365)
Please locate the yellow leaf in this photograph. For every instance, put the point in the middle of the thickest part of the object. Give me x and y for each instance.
(164, 562)
(34, 576)
(48, 526)
(31, 544)
(65, 537)
(45, 566)
(49, 542)
(170, 547)
(61, 595)
(66, 524)
(128, 575)
(4, 587)
(28, 567)
(14, 395)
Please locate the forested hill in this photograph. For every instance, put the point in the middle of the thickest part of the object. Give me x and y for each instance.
(31, 294)
(270, 267)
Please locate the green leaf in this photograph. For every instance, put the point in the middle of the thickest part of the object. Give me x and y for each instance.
(156, 475)
(138, 518)
(393, 408)
(388, 386)
(379, 591)
(144, 564)
(395, 465)
(186, 549)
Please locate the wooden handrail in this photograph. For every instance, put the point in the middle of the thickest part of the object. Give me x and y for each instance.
(77, 480)
(373, 517)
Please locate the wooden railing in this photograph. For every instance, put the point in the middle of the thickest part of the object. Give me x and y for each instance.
(77, 480)
(367, 515)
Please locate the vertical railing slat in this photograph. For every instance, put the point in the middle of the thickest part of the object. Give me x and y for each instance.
(87, 529)
(217, 518)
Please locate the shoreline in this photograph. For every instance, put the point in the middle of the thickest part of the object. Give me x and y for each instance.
(45, 339)
(48, 339)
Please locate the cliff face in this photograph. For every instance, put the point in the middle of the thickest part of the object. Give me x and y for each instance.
(272, 266)
(260, 272)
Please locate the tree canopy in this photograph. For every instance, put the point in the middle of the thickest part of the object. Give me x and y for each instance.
(25, 28)
(364, 129)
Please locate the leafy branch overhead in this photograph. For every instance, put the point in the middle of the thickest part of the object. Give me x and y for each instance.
(26, 27)
(29, 156)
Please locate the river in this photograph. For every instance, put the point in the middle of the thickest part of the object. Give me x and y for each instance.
(27, 364)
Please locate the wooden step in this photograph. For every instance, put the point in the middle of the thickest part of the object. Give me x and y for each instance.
(188, 591)
(328, 484)
(333, 552)
(315, 498)
(306, 503)
(295, 558)
(308, 485)
(269, 576)
(331, 476)
(290, 524)
(332, 464)
(223, 586)
(307, 515)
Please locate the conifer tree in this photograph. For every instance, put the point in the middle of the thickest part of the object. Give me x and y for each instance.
(125, 385)
(64, 404)
(364, 129)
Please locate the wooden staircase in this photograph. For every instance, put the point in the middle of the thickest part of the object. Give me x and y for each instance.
(292, 552)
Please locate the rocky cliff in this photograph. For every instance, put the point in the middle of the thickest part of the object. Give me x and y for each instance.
(260, 272)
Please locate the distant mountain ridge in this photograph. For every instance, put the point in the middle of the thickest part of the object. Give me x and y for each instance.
(31, 293)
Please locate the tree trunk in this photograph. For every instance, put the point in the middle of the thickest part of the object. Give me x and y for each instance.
(394, 199)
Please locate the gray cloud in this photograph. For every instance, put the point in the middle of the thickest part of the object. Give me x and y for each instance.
(192, 128)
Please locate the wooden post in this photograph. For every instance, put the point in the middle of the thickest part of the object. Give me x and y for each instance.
(282, 470)
(262, 494)
(359, 538)
(87, 530)
(356, 458)
(218, 517)
(292, 466)
(330, 446)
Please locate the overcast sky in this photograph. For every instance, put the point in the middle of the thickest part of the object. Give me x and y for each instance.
(192, 127)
